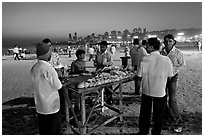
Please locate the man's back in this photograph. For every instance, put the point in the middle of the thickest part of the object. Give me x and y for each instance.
(154, 70)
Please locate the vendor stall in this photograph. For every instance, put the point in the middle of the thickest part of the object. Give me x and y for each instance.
(87, 84)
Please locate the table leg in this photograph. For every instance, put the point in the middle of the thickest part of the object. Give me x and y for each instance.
(102, 99)
(66, 106)
(83, 114)
(120, 101)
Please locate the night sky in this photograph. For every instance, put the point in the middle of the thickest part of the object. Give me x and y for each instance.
(29, 20)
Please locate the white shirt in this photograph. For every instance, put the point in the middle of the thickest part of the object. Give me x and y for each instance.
(16, 50)
(91, 50)
(113, 49)
(46, 86)
(154, 70)
(141, 53)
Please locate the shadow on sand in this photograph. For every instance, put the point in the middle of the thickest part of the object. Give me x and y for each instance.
(19, 117)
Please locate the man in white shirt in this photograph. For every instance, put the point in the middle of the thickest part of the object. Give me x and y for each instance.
(139, 54)
(16, 53)
(91, 52)
(113, 49)
(104, 59)
(154, 71)
(46, 86)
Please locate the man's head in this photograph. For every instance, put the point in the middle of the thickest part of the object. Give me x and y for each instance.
(44, 50)
(136, 42)
(169, 42)
(80, 54)
(47, 41)
(103, 46)
(144, 42)
(153, 44)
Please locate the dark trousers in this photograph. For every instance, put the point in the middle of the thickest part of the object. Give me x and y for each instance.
(62, 99)
(137, 85)
(49, 124)
(90, 57)
(145, 114)
(16, 56)
(172, 107)
(137, 82)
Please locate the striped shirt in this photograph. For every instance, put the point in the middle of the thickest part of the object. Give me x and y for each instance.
(177, 58)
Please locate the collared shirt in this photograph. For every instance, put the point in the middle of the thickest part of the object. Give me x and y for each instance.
(103, 59)
(46, 86)
(78, 66)
(154, 70)
(177, 58)
(16, 50)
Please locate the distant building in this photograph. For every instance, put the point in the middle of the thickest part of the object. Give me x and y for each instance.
(70, 36)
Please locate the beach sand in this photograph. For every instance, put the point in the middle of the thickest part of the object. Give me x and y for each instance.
(18, 111)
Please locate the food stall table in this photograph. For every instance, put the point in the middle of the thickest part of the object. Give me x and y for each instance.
(71, 85)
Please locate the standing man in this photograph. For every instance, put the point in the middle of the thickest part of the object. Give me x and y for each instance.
(46, 86)
(104, 59)
(154, 71)
(140, 53)
(177, 59)
(16, 53)
(134, 54)
(113, 49)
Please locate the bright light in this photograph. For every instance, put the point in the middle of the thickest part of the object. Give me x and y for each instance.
(109, 36)
(135, 37)
(180, 34)
(152, 36)
(119, 37)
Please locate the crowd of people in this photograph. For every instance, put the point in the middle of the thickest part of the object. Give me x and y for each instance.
(18, 52)
(156, 73)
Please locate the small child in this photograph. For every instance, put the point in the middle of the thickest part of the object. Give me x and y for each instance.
(78, 66)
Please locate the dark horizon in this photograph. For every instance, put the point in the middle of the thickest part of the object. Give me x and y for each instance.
(29, 42)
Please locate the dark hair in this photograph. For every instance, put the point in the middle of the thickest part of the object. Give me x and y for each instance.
(170, 36)
(136, 41)
(154, 42)
(105, 43)
(144, 42)
(46, 41)
(80, 52)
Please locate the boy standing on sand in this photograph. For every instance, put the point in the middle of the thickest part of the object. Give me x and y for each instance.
(46, 86)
